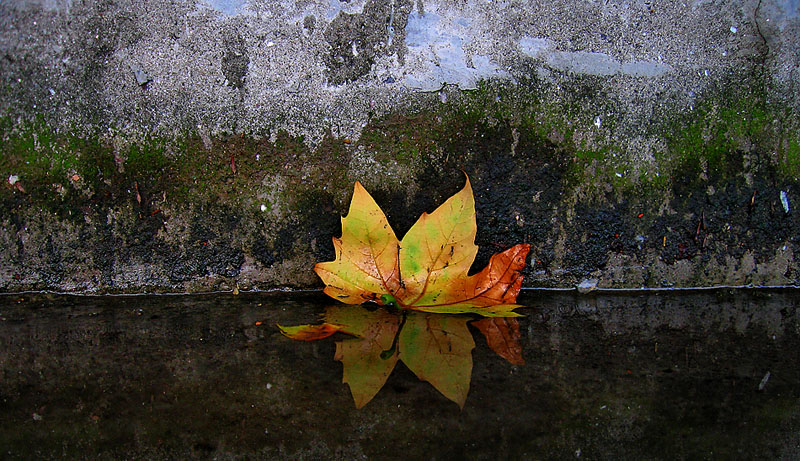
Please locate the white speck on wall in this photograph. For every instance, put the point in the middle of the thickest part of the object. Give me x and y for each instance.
(785, 201)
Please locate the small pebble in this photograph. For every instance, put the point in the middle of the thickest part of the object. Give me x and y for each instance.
(587, 285)
(763, 382)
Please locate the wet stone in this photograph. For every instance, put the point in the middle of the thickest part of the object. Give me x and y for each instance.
(587, 286)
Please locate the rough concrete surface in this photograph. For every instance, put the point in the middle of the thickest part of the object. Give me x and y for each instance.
(181, 145)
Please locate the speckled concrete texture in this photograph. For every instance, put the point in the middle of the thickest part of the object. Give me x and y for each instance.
(308, 67)
(638, 143)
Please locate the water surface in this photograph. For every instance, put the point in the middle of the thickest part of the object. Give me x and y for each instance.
(658, 375)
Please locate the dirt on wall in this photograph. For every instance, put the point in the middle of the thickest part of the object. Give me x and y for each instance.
(93, 213)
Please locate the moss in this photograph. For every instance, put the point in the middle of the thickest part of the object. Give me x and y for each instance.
(148, 158)
(35, 149)
(717, 130)
(186, 168)
(790, 160)
(736, 118)
(404, 138)
(544, 157)
(94, 161)
(72, 173)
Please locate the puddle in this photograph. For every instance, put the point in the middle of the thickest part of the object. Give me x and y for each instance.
(708, 374)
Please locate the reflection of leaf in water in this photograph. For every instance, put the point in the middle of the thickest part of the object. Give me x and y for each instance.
(436, 347)
(310, 332)
(502, 335)
(364, 369)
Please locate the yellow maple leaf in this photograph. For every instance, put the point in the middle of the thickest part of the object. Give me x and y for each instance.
(427, 269)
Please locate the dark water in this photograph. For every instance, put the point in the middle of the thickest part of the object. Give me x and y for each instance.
(711, 374)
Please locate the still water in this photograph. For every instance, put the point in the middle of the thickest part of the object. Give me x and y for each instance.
(647, 375)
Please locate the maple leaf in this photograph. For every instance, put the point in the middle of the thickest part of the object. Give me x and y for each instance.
(310, 332)
(436, 347)
(366, 367)
(428, 269)
(502, 336)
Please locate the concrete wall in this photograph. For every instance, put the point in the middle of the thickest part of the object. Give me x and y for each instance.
(178, 145)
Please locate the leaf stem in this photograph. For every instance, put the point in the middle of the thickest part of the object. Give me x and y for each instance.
(389, 353)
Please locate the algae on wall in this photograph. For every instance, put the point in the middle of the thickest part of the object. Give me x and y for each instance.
(174, 146)
(102, 212)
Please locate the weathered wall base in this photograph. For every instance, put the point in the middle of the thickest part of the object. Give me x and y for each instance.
(191, 146)
(99, 213)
